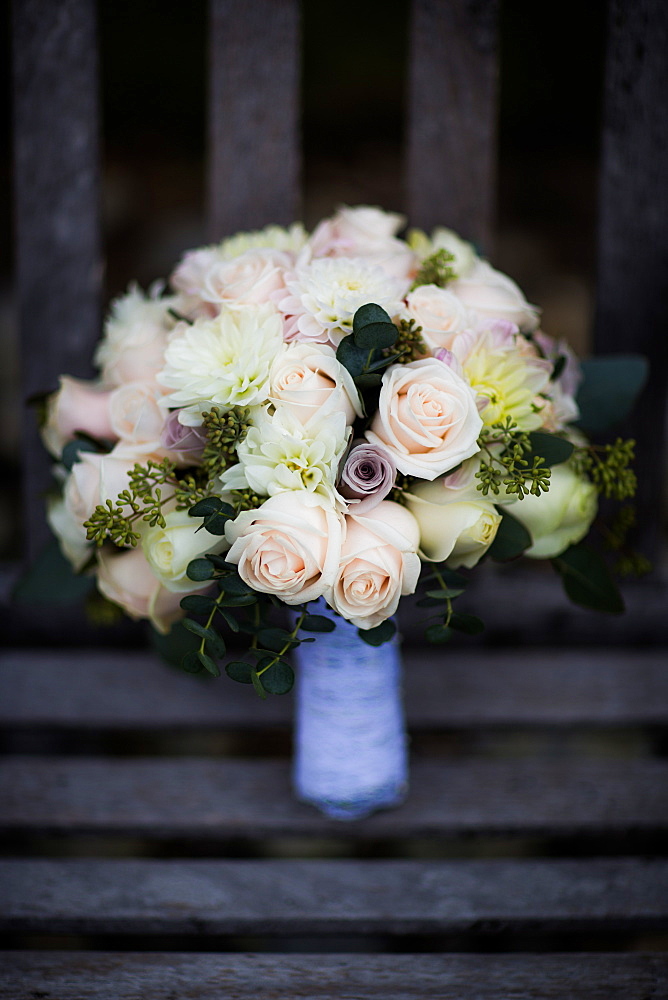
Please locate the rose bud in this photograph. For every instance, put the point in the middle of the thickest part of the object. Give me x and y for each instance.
(367, 477)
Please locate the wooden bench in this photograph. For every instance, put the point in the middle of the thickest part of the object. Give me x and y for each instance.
(151, 844)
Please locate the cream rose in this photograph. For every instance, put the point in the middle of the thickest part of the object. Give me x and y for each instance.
(289, 547)
(127, 579)
(136, 417)
(250, 278)
(562, 516)
(427, 418)
(168, 550)
(93, 480)
(494, 295)
(135, 338)
(69, 531)
(76, 406)
(310, 382)
(455, 526)
(379, 563)
(440, 314)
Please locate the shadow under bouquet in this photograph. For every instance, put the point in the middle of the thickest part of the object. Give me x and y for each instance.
(323, 422)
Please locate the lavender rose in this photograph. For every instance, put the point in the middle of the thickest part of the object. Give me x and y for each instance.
(367, 477)
(187, 443)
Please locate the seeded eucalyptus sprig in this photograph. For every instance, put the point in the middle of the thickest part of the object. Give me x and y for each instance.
(436, 269)
(409, 345)
(113, 521)
(515, 466)
(609, 468)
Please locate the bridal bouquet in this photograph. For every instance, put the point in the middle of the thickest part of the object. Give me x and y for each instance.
(329, 417)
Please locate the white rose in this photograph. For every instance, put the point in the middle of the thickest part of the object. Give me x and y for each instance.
(455, 526)
(69, 531)
(94, 479)
(440, 314)
(250, 278)
(76, 406)
(379, 563)
(127, 579)
(289, 547)
(562, 516)
(308, 379)
(427, 418)
(168, 550)
(135, 338)
(494, 295)
(136, 417)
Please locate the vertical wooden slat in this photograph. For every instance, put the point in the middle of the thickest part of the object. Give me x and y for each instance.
(451, 156)
(254, 162)
(632, 305)
(58, 258)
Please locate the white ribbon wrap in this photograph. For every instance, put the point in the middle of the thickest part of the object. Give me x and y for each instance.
(350, 749)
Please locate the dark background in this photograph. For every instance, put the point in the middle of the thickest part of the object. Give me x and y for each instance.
(154, 68)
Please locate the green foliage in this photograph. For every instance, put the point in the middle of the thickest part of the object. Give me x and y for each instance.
(511, 462)
(609, 468)
(51, 580)
(609, 389)
(409, 344)
(113, 521)
(511, 540)
(379, 635)
(364, 353)
(436, 269)
(215, 514)
(317, 623)
(373, 328)
(587, 580)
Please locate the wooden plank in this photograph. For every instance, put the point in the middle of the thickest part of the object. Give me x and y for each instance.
(203, 798)
(451, 159)
(107, 689)
(112, 976)
(632, 307)
(254, 163)
(58, 259)
(329, 897)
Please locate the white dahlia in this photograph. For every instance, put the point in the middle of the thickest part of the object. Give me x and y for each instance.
(222, 362)
(324, 295)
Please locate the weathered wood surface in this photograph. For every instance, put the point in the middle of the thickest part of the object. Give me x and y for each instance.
(451, 129)
(110, 976)
(203, 798)
(329, 897)
(97, 689)
(58, 255)
(632, 307)
(254, 160)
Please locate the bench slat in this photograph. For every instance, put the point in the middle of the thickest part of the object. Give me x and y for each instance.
(254, 161)
(96, 689)
(110, 976)
(329, 897)
(451, 158)
(58, 258)
(231, 798)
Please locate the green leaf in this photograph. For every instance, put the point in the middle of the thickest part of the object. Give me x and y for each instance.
(198, 604)
(239, 670)
(512, 538)
(367, 381)
(73, 449)
(210, 635)
(200, 569)
(379, 635)
(191, 662)
(442, 595)
(317, 623)
(429, 602)
(275, 639)
(175, 645)
(351, 356)
(450, 577)
(587, 580)
(279, 679)
(237, 600)
(552, 449)
(209, 664)
(373, 328)
(215, 523)
(467, 623)
(438, 633)
(229, 619)
(210, 505)
(233, 584)
(257, 684)
(51, 580)
(609, 389)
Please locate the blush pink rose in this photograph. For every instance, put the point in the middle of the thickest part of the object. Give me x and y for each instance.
(427, 418)
(136, 417)
(493, 295)
(250, 278)
(93, 480)
(440, 314)
(379, 563)
(367, 232)
(126, 579)
(309, 381)
(289, 547)
(76, 406)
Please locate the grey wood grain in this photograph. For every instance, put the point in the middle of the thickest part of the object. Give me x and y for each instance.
(115, 689)
(254, 162)
(56, 186)
(632, 306)
(333, 897)
(231, 798)
(110, 976)
(451, 155)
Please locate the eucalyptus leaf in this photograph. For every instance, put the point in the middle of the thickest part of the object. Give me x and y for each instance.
(317, 623)
(376, 336)
(198, 604)
(609, 389)
(209, 505)
(351, 356)
(511, 539)
(279, 679)
(367, 380)
(175, 645)
(191, 663)
(438, 633)
(215, 523)
(239, 670)
(209, 664)
(379, 635)
(587, 580)
(274, 639)
(470, 624)
(257, 684)
(73, 449)
(51, 580)
(369, 313)
(200, 569)
(442, 595)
